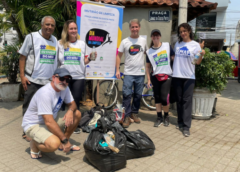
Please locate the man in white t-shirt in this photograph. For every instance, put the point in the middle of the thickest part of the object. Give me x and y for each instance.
(42, 122)
(133, 48)
(38, 60)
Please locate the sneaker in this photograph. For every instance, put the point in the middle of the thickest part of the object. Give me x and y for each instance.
(77, 131)
(166, 121)
(158, 122)
(126, 122)
(135, 118)
(186, 133)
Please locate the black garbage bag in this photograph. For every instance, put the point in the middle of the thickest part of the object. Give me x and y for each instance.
(103, 158)
(138, 144)
(105, 122)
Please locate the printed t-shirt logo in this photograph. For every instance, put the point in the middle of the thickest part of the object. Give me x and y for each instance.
(183, 52)
(58, 105)
(161, 58)
(47, 54)
(72, 56)
(134, 49)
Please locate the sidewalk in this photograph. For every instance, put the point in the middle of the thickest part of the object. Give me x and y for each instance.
(213, 145)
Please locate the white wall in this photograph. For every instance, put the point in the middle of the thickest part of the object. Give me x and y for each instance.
(222, 4)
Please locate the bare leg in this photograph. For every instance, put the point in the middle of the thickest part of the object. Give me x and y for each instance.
(166, 108)
(159, 107)
(77, 118)
(69, 130)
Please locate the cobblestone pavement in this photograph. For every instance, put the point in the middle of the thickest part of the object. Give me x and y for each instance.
(213, 145)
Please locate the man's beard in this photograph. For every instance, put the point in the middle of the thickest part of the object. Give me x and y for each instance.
(60, 86)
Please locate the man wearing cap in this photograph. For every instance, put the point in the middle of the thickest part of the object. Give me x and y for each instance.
(42, 122)
(133, 48)
(38, 60)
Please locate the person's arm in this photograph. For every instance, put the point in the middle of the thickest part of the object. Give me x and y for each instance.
(118, 61)
(24, 50)
(202, 53)
(148, 68)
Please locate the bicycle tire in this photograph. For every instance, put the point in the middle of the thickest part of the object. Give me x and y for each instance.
(104, 99)
(148, 98)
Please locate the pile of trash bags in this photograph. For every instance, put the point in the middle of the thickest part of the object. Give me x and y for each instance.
(109, 145)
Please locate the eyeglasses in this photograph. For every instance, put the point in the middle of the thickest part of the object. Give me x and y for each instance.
(63, 79)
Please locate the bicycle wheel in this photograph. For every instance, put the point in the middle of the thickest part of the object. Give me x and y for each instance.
(148, 98)
(107, 94)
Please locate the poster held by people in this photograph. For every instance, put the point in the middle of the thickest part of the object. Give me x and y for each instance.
(100, 27)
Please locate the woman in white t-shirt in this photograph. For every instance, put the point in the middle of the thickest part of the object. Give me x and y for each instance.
(73, 57)
(184, 75)
(158, 58)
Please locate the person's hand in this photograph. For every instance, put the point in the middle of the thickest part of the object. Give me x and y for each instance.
(92, 54)
(68, 118)
(202, 52)
(118, 74)
(25, 81)
(67, 147)
(149, 85)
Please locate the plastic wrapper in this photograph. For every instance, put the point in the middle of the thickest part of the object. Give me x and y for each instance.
(138, 144)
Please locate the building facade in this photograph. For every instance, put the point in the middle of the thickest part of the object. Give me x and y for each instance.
(211, 26)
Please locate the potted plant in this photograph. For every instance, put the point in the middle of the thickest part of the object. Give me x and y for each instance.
(211, 78)
(9, 91)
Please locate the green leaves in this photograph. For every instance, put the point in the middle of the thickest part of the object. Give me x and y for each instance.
(214, 70)
(10, 62)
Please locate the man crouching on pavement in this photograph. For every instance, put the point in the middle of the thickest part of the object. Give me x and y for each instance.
(41, 121)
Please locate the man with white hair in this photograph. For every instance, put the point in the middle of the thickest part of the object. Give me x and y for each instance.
(38, 60)
(42, 122)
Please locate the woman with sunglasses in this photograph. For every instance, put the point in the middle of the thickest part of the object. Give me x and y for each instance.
(73, 56)
(186, 49)
(158, 56)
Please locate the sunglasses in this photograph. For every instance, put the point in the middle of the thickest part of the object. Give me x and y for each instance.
(63, 79)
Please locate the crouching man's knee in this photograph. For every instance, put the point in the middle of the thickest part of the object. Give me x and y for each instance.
(77, 115)
(52, 143)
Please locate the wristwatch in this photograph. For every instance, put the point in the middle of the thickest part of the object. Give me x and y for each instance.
(64, 141)
(89, 59)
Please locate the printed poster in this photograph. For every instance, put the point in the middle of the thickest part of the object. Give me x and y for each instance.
(100, 26)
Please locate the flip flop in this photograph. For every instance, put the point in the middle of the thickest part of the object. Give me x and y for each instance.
(71, 148)
(34, 153)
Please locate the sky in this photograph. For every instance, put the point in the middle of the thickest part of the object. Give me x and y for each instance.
(233, 15)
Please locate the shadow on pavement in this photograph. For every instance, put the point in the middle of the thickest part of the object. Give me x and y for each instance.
(232, 90)
(10, 105)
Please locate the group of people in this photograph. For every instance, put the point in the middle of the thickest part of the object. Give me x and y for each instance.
(160, 74)
(52, 73)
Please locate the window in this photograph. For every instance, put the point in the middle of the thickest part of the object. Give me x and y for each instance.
(206, 22)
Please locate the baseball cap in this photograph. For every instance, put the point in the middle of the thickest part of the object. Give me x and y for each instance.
(156, 31)
(62, 72)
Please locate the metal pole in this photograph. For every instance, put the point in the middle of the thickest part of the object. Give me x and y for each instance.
(182, 12)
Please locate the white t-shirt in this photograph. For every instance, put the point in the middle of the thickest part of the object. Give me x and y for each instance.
(41, 59)
(46, 101)
(133, 50)
(160, 59)
(73, 58)
(184, 55)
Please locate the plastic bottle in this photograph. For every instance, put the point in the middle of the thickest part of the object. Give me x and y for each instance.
(196, 58)
(93, 57)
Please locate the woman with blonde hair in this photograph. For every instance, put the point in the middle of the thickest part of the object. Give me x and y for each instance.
(73, 56)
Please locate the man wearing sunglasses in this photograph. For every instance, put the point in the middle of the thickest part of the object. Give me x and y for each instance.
(42, 122)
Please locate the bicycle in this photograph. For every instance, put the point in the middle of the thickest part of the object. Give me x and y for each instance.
(108, 93)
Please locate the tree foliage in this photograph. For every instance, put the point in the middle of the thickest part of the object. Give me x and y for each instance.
(27, 14)
(214, 71)
(10, 62)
